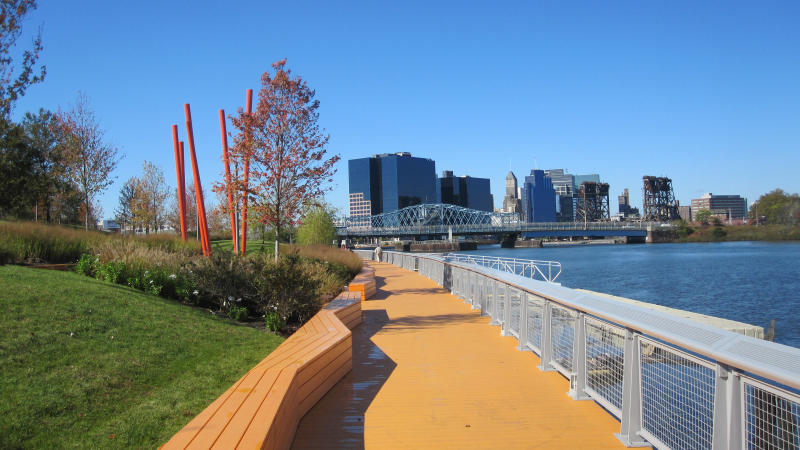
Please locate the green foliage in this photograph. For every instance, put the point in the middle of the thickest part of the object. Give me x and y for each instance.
(317, 227)
(86, 265)
(274, 322)
(683, 229)
(89, 365)
(237, 313)
(703, 216)
(719, 233)
(776, 208)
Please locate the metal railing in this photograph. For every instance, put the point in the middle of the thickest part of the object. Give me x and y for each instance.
(531, 268)
(672, 382)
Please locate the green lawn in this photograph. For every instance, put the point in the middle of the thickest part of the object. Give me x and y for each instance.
(84, 363)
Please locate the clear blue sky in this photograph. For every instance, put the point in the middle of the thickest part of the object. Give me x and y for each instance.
(706, 93)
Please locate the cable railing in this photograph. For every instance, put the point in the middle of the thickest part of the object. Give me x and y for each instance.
(672, 382)
(532, 268)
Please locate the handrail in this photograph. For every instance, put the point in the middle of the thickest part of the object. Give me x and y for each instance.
(519, 266)
(656, 372)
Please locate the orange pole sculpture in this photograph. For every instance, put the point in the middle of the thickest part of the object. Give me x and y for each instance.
(179, 174)
(249, 138)
(228, 177)
(198, 189)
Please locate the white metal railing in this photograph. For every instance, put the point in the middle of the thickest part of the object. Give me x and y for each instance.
(531, 268)
(672, 382)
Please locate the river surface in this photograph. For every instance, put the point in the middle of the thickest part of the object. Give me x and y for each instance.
(751, 282)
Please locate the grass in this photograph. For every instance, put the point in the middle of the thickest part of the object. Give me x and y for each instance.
(745, 233)
(31, 242)
(253, 246)
(321, 252)
(91, 364)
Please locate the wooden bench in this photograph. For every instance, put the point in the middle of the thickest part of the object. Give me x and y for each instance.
(263, 408)
(364, 283)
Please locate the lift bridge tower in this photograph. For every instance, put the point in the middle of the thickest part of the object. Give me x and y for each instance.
(659, 199)
(592, 202)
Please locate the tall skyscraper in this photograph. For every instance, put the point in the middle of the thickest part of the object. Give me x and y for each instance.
(511, 202)
(564, 185)
(466, 191)
(391, 181)
(539, 198)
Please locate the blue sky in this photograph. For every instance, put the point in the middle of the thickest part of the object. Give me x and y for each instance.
(706, 93)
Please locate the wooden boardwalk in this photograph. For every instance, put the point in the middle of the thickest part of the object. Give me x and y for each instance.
(430, 372)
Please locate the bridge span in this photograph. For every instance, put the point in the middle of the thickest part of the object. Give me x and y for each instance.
(432, 220)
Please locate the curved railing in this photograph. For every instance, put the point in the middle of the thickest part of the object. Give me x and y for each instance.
(672, 382)
(530, 268)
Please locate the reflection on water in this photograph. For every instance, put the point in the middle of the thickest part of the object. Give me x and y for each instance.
(751, 282)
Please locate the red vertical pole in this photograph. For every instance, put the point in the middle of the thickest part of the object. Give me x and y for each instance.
(179, 174)
(183, 182)
(249, 147)
(198, 188)
(228, 187)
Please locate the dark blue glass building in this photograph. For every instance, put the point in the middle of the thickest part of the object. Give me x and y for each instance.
(466, 191)
(391, 181)
(538, 198)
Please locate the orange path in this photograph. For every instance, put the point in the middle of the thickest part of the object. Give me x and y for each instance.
(430, 372)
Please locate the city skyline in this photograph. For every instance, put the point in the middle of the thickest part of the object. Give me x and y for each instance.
(700, 93)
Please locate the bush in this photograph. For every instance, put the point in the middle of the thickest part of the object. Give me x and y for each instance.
(288, 289)
(86, 265)
(238, 313)
(273, 322)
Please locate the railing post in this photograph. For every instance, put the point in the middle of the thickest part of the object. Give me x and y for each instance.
(523, 322)
(469, 294)
(577, 379)
(728, 409)
(547, 341)
(506, 329)
(631, 394)
(495, 312)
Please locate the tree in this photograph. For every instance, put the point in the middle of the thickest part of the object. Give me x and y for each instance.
(90, 160)
(703, 216)
(777, 208)
(18, 163)
(43, 136)
(124, 214)
(153, 194)
(12, 15)
(317, 227)
(286, 149)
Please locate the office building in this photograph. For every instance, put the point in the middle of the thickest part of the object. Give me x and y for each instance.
(732, 207)
(511, 202)
(685, 212)
(466, 191)
(538, 198)
(392, 181)
(625, 208)
(564, 185)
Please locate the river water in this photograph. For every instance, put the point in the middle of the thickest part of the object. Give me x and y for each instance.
(751, 282)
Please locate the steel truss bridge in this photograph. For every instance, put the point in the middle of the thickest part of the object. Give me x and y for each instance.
(436, 219)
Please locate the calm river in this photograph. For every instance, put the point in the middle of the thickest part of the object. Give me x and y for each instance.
(751, 282)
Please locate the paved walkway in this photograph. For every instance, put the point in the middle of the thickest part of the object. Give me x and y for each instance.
(429, 372)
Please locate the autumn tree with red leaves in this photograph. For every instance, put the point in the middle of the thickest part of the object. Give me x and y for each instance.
(285, 149)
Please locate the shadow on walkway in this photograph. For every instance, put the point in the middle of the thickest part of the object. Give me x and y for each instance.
(337, 421)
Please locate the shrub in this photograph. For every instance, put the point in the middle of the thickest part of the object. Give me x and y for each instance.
(273, 322)
(237, 313)
(288, 289)
(86, 265)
